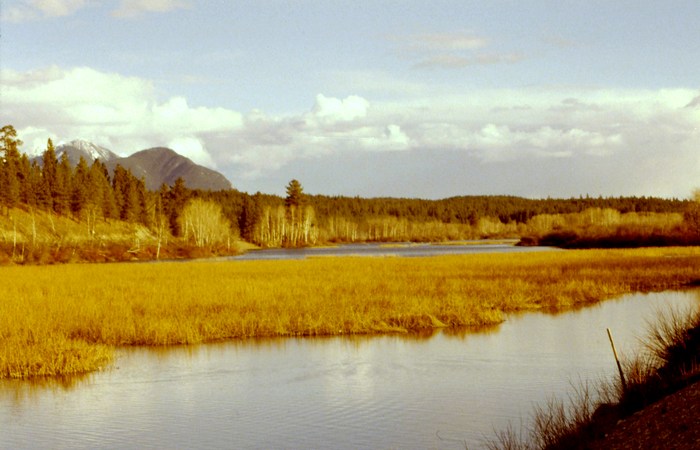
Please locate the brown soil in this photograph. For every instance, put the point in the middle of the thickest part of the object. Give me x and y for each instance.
(671, 423)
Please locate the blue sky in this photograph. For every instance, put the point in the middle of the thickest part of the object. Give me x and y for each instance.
(382, 98)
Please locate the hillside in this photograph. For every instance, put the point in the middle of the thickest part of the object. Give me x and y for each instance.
(162, 165)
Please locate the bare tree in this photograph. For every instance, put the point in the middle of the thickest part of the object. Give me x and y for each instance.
(203, 223)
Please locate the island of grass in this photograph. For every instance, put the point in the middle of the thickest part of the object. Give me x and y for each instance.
(69, 319)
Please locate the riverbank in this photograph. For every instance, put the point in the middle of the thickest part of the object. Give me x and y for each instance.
(660, 406)
(670, 423)
(654, 404)
(69, 318)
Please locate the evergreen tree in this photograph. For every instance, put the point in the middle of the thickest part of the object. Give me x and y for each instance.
(295, 194)
(249, 217)
(179, 194)
(124, 196)
(143, 202)
(80, 185)
(27, 181)
(9, 166)
(102, 190)
(63, 186)
(49, 176)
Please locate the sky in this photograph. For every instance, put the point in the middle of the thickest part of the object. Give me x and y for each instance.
(422, 99)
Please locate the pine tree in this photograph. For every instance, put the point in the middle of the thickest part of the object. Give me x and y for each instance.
(27, 182)
(63, 186)
(103, 190)
(295, 194)
(179, 194)
(249, 217)
(49, 176)
(9, 166)
(80, 185)
(143, 202)
(120, 186)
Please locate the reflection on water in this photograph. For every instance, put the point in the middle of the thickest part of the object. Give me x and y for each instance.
(379, 250)
(441, 390)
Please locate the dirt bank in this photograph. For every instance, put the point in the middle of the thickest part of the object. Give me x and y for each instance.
(671, 423)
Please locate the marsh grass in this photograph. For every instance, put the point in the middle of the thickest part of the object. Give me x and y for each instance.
(68, 318)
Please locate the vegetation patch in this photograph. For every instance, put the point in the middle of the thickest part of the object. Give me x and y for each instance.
(69, 317)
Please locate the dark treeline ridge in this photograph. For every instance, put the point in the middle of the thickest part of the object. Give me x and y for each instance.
(89, 193)
(468, 209)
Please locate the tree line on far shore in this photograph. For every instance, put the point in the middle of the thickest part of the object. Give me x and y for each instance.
(90, 194)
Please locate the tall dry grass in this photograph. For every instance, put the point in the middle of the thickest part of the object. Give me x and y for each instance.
(77, 313)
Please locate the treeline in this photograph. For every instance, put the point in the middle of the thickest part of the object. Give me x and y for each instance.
(262, 219)
(89, 193)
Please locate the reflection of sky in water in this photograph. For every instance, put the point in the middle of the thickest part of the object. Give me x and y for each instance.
(379, 250)
(382, 391)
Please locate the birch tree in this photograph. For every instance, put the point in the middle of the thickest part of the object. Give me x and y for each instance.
(203, 223)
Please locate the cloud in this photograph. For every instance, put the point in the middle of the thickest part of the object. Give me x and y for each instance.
(193, 148)
(135, 8)
(333, 110)
(28, 10)
(333, 126)
(448, 61)
(118, 112)
(451, 50)
(440, 42)
(545, 140)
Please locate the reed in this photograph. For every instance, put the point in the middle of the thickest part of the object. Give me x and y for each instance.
(76, 314)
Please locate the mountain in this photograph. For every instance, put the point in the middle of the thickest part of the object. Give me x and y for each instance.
(89, 151)
(162, 165)
(157, 165)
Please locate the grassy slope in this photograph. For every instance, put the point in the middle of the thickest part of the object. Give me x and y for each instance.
(38, 237)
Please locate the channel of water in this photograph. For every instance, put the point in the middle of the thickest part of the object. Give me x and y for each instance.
(445, 389)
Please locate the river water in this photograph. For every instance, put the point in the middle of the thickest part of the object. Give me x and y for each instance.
(394, 249)
(449, 389)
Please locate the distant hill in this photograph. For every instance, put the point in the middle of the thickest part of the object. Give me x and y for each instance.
(162, 165)
(157, 165)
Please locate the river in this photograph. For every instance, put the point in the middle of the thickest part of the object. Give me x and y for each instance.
(388, 250)
(447, 389)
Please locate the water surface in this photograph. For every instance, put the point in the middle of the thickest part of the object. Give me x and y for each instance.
(444, 390)
(394, 249)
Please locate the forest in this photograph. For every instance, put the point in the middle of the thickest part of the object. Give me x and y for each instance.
(87, 197)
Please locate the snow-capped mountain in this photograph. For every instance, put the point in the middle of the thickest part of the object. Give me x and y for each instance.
(157, 165)
(89, 151)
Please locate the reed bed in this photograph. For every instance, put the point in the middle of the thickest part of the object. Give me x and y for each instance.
(68, 319)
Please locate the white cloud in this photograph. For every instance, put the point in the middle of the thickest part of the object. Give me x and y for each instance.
(121, 113)
(332, 110)
(451, 50)
(28, 10)
(193, 148)
(136, 8)
(632, 141)
(37, 9)
(455, 41)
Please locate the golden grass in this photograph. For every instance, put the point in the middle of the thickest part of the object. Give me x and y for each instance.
(67, 319)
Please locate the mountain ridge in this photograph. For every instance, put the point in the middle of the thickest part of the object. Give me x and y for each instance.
(157, 165)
